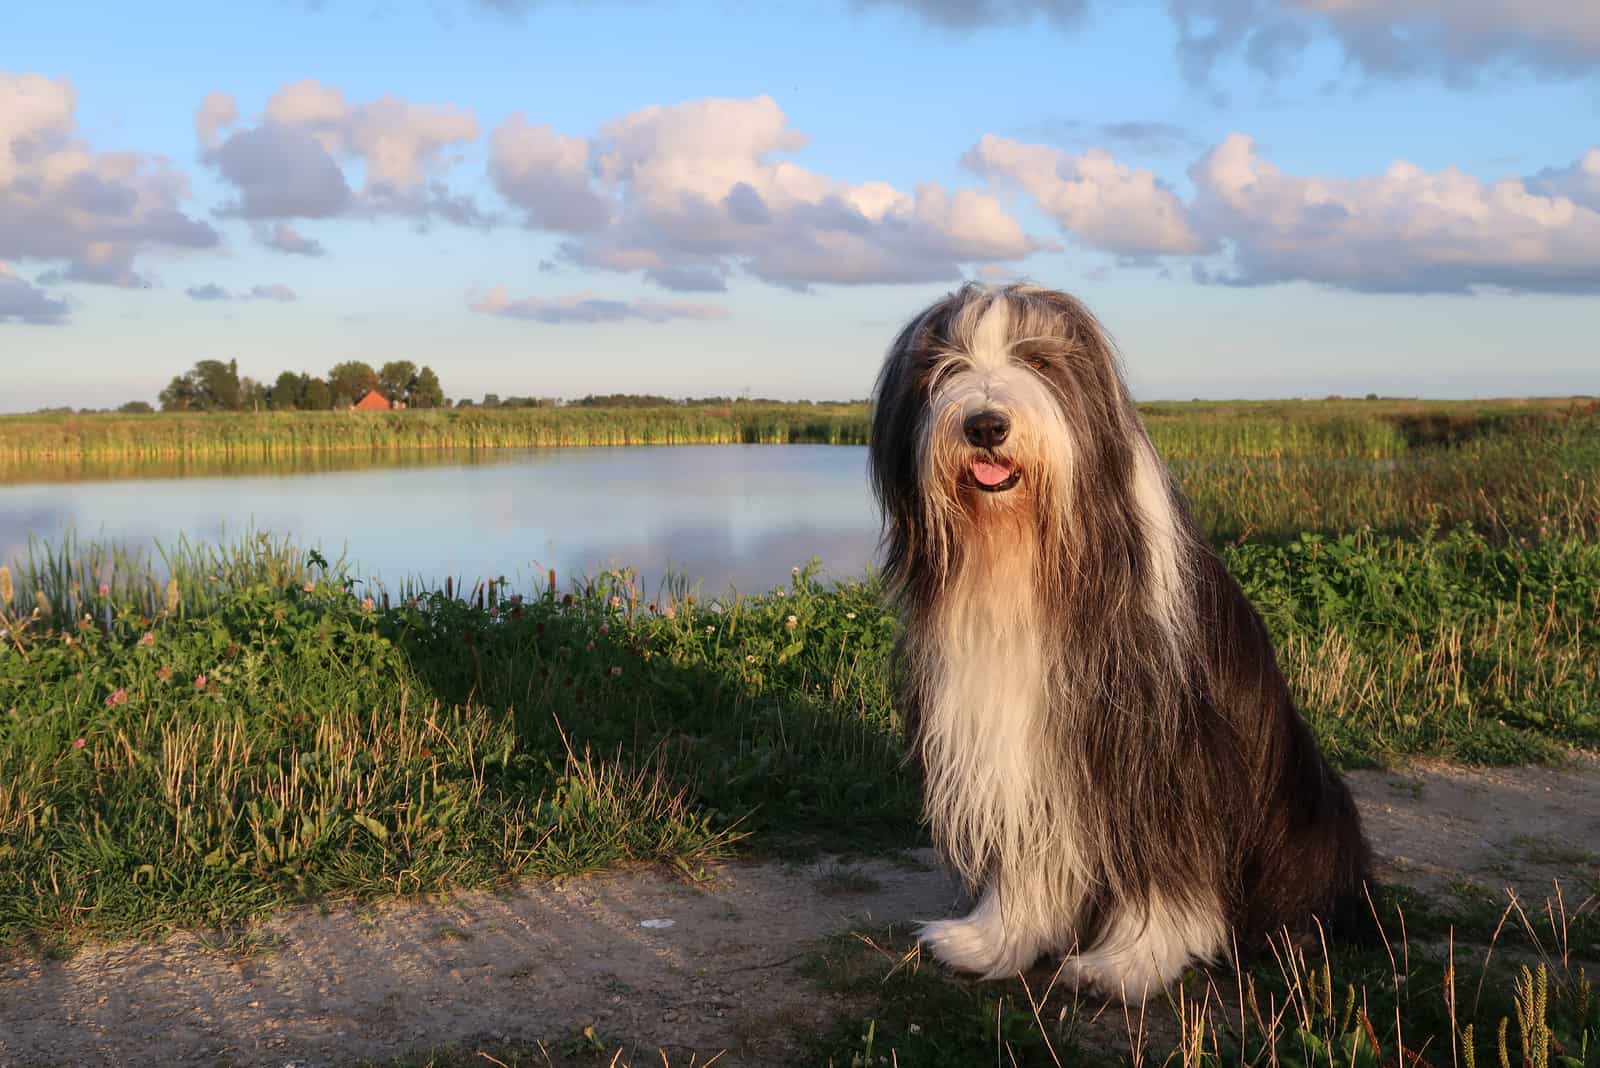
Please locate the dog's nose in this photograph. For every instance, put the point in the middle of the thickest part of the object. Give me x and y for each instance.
(987, 429)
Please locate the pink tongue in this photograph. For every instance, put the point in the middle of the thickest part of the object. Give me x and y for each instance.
(990, 474)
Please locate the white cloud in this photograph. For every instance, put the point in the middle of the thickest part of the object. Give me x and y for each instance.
(290, 164)
(586, 308)
(62, 201)
(1405, 230)
(689, 193)
(210, 291)
(23, 302)
(1456, 40)
(1104, 203)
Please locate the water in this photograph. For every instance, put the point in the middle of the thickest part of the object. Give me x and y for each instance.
(722, 515)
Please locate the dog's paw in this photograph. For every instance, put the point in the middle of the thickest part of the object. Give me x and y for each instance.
(975, 944)
(1112, 978)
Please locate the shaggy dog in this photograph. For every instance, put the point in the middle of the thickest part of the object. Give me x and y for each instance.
(1113, 763)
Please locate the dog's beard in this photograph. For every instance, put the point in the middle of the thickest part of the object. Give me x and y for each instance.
(1021, 482)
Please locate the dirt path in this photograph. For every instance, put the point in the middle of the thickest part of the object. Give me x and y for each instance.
(648, 960)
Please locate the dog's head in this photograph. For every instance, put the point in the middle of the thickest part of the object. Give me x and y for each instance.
(994, 401)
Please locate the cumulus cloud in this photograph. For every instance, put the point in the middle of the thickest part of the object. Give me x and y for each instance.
(1405, 230)
(1103, 203)
(62, 201)
(282, 237)
(23, 302)
(210, 291)
(978, 14)
(1453, 39)
(1579, 183)
(585, 308)
(276, 291)
(1249, 223)
(688, 194)
(290, 164)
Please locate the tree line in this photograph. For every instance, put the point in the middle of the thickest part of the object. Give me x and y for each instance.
(215, 386)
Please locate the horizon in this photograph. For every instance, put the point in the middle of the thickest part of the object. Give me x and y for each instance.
(1279, 199)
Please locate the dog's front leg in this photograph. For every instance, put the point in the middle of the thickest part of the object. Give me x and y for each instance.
(982, 941)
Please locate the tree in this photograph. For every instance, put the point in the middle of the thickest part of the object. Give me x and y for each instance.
(396, 380)
(426, 392)
(136, 408)
(315, 394)
(491, 400)
(217, 385)
(179, 396)
(252, 394)
(349, 382)
(287, 392)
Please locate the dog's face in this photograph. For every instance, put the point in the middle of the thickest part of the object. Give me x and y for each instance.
(993, 399)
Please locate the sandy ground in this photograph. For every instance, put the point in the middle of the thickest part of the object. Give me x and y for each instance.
(650, 961)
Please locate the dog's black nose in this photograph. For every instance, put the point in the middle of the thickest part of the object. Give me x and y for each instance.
(987, 429)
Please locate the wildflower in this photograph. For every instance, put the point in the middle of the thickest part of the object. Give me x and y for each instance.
(366, 604)
(616, 602)
(308, 587)
(710, 629)
(494, 612)
(779, 591)
(118, 696)
(604, 629)
(80, 743)
(200, 681)
(750, 658)
(148, 639)
(516, 598)
(651, 606)
(105, 590)
(791, 622)
(616, 672)
(849, 615)
(164, 673)
(670, 612)
(794, 571)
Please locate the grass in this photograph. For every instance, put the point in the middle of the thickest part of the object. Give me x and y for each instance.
(202, 736)
(1505, 987)
(261, 729)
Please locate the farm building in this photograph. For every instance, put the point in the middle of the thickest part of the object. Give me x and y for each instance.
(372, 402)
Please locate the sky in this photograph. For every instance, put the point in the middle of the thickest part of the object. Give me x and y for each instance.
(1259, 198)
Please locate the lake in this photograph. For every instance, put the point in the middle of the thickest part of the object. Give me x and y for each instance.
(719, 514)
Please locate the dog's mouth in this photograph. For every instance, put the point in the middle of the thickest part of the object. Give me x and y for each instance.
(994, 475)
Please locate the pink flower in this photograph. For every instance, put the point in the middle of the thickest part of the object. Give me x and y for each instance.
(200, 681)
(494, 612)
(516, 598)
(670, 612)
(80, 743)
(164, 673)
(366, 604)
(604, 629)
(308, 587)
(616, 602)
(148, 639)
(105, 591)
(118, 696)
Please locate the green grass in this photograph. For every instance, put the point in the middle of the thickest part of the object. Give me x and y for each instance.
(1503, 987)
(261, 730)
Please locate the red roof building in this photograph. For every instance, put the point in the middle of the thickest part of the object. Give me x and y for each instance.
(372, 402)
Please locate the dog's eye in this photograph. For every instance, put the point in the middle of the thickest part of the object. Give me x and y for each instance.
(1036, 361)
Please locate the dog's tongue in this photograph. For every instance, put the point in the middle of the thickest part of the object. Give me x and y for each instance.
(990, 474)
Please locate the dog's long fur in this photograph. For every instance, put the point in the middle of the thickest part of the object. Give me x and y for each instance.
(1113, 762)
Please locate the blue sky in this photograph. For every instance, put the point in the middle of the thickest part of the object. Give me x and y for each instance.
(1334, 196)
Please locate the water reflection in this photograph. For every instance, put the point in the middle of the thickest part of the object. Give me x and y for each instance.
(740, 514)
